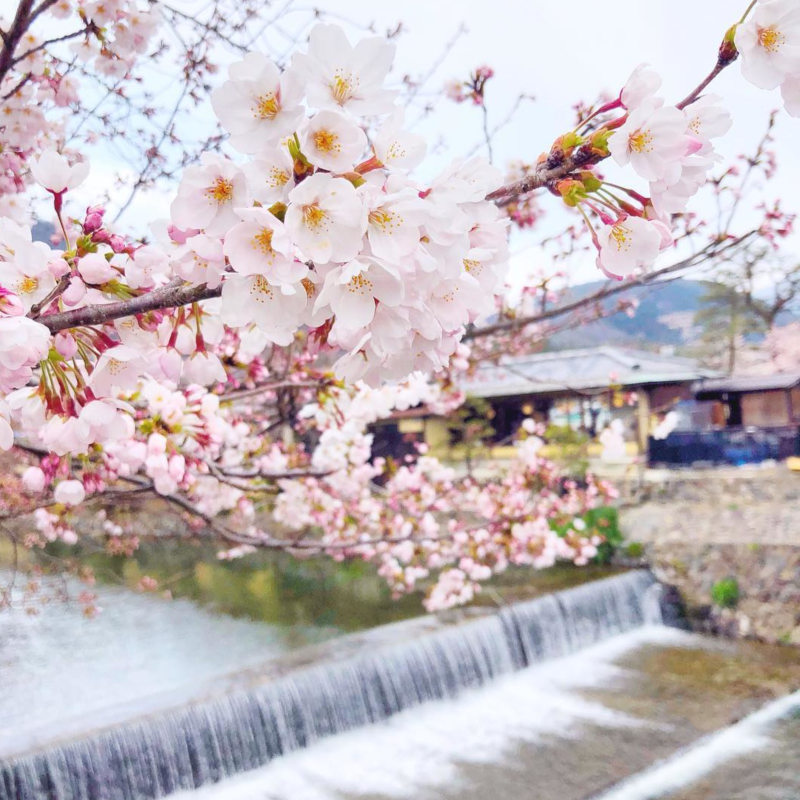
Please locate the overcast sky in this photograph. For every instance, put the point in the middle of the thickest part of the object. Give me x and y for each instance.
(559, 53)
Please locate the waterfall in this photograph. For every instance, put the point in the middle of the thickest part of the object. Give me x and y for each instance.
(208, 741)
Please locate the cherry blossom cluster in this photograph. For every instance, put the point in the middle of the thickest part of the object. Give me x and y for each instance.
(669, 147)
(319, 229)
(307, 287)
(427, 527)
(40, 86)
(322, 228)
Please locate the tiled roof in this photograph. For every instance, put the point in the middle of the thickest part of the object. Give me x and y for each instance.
(580, 370)
(747, 383)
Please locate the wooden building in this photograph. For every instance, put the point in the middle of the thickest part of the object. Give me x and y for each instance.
(584, 389)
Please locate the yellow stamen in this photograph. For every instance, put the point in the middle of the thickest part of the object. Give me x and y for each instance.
(278, 177)
(385, 220)
(641, 141)
(771, 39)
(326, 141)
(359, 285)
(313, 216)
(221, 191)
(266, 106)
(27, 285)
(622, 237)
(263, 241)
(472, 266)
(343, 87)
(260, 290)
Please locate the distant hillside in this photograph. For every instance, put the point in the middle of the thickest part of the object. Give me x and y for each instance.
(664, 317)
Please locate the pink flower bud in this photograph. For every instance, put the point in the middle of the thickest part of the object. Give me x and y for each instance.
(33, 479)
(66, 344)
(75, 292)
(69, 493)
(94, 268)
(118, 244)
(58, 267)
(94, 219)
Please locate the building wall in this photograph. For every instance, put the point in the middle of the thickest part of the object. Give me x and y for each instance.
(765, 409)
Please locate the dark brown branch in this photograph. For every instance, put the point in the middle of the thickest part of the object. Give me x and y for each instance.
(544, 175)
(19, 26)
(170, 296)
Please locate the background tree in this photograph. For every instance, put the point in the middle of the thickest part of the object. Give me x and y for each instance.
(726, 319)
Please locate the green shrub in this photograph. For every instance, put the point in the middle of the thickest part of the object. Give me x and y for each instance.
(564, 435)
(725, 593)
(634, 550)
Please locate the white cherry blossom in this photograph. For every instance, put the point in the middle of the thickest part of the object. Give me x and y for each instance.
(23, 344)
(396, 148)
(641, 87)
(271, 176)
(258, 105)
(118, 368)
(200, 260)
(326, 218)
(70, 493)
(208, 195)
(769, 43)
(790, 90)
(252, 299)
(54, 172)
(337, 75)
(653, 140)
(628, 244)
(333, 142)
(351, 291)
(393, 224)
(260, 245)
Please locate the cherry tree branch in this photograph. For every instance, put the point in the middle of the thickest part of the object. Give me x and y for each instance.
(174, 294)
(12, 37)
(710, 251)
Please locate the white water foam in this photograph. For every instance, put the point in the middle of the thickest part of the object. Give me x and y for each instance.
(701, 758)
(421, 748)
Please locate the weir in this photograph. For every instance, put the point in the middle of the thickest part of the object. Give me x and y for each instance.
(206, 742)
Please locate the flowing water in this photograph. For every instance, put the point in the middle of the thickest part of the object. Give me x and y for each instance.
(570, 696)
(61, 673)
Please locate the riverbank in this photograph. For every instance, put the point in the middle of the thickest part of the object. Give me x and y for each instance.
(728, 539)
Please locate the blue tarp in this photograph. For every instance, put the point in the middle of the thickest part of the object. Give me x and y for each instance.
(727, 446)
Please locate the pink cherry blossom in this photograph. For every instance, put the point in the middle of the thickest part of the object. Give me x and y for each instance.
(208, 195)
(23, 344)
(652, 140)
(333, 142)
(628, 244)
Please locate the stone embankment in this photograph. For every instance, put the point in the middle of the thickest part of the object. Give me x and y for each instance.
(729, 541)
